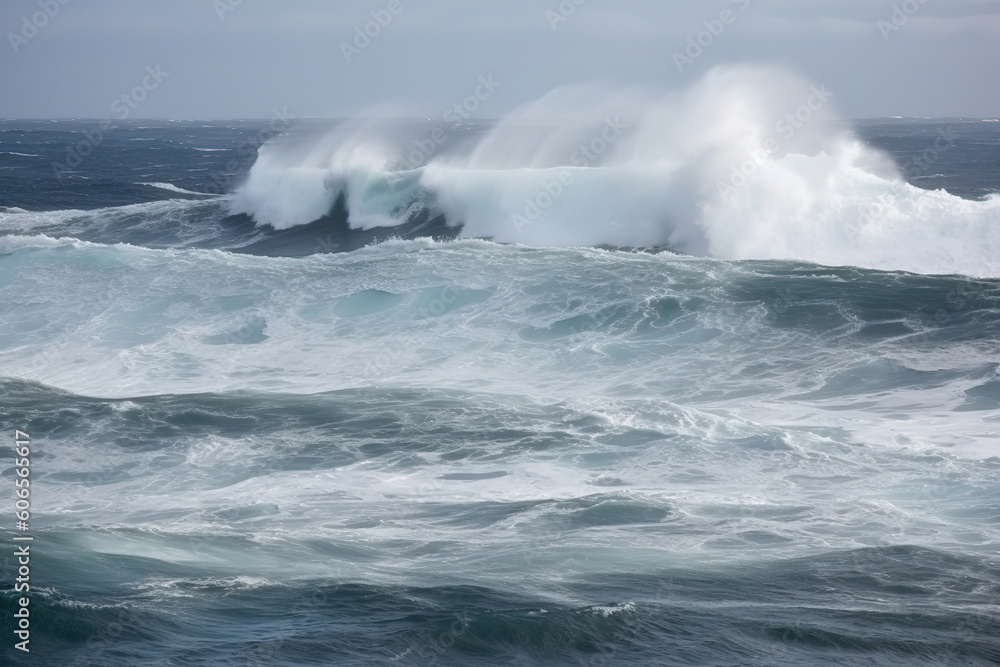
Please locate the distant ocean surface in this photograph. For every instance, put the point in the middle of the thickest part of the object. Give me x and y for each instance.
(319, 408)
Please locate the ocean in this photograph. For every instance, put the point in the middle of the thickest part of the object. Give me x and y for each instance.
(310, 407)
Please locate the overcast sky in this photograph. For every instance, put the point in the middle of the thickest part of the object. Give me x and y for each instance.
(244, 58)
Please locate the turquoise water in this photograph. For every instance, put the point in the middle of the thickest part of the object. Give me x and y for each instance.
(461, 452)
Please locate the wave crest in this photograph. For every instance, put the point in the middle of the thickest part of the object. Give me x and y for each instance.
(750, 163)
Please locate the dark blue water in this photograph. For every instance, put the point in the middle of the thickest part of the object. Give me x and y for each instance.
(336, 446)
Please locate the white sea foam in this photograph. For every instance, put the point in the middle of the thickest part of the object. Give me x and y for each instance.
(173, 188)
(177, 220)
(717, 171)
(477, 316)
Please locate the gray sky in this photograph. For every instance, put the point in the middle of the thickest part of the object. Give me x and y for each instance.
(244, 58)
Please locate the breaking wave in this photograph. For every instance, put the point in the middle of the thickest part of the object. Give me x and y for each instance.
(750, 163)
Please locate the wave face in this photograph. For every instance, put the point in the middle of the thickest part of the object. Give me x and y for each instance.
(478, 453)
(748, 164)
(366, 440)
(129, 321)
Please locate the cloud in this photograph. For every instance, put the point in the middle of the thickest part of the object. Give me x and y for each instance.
(264, 54)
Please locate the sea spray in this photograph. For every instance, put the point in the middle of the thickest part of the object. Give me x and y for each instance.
(749, 163)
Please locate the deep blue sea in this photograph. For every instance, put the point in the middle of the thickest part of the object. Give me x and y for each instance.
(300, 397)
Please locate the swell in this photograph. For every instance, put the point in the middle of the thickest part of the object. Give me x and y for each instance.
(618, 531)
(472, 313)
(892, 615)
(195, 223)
(708, 173)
